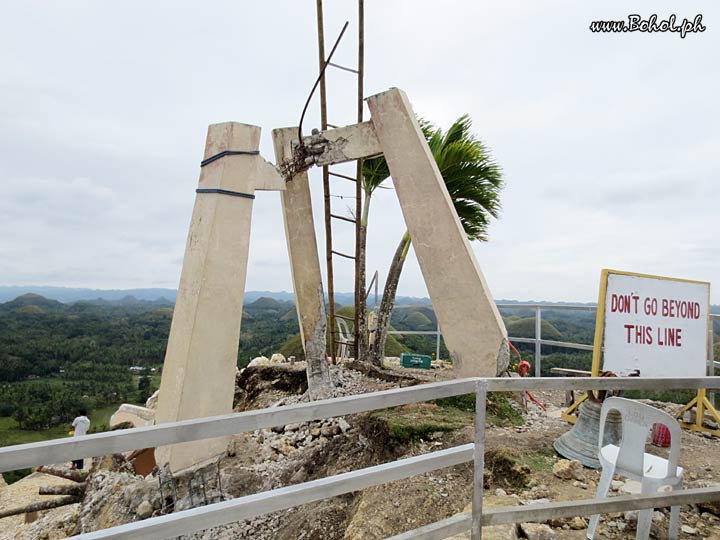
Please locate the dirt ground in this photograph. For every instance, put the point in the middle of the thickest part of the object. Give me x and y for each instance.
(519, 471)
(700, 457)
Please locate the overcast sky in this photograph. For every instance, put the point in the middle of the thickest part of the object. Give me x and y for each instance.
(609, 143)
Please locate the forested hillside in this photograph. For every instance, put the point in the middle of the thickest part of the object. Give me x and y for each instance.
(56, 359)
(59, 359)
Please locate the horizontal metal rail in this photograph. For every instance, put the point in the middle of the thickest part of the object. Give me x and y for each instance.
(460, 523)
(250, 506)
(549, 307)
(100, 444)
(565, 344)
(60, 450)
(537, 340)
(344, 68)
(26, 455)
(415, 332)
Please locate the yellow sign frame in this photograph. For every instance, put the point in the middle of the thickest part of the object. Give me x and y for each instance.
(701, 403)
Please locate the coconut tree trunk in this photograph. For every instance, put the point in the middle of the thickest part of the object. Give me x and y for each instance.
(360, 300)
(388, 299)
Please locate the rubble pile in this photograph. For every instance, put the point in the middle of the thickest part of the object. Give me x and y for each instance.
(521, 469)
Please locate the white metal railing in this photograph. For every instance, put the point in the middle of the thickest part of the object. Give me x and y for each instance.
(537, 340)
(188, 521)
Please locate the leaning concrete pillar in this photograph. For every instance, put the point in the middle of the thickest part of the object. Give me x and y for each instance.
(471, 324)
(305, 266)
(198, 377)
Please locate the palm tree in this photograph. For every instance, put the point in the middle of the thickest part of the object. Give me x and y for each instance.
(473, 181)
(374, 173)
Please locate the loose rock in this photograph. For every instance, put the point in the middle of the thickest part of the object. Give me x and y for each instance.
(567, 469)
(144, 510)
(537, 531)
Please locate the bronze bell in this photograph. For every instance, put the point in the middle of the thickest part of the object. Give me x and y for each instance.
(581, 442)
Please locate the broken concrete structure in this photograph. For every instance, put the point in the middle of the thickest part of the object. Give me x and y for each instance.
(471, 324)
(199, 372)
(304, 265)
(134, 415)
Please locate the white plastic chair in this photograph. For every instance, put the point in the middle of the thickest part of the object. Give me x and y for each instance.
(631, 460)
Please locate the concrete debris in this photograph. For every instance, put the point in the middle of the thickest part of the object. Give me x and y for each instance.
(537, 531)
(259, 361)
(151, 402)
(567, 469)
(144, 510)
(277, 358)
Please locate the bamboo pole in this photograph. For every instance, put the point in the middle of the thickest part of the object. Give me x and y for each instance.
(68, 474)
(76, 490)
(43, 505)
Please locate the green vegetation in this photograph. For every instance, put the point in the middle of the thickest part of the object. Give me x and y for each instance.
(526, 328)
(421, 420)
(569, 360)
(669, 396)
(58, 358)
(10, 433)
(43, 404)
(540, 460)
(499, 410)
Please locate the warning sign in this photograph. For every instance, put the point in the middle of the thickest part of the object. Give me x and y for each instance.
(656, 325)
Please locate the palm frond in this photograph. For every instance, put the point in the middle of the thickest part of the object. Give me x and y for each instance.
(473, 179)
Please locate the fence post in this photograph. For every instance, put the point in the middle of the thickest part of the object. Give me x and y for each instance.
(479, 459)
(437, 342)
(538, 337)
(711, 359)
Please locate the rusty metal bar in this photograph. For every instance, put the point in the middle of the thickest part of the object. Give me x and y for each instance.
(343, 218)
(344, 68)
(346, 177)
(326, 179)
(359, 272)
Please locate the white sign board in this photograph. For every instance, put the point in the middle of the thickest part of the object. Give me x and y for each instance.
(656, 325)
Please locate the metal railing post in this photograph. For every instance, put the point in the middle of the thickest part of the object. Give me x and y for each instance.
(437, 342)
(538, 344)
(479, 459)
(711, 359)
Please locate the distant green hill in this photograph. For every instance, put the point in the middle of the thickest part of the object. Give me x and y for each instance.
(526, 328)
(265, 303)
(33, 303)
(414, 317)
(419, 321)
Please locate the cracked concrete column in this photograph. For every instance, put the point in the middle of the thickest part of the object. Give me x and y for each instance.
(471, 324)
(305, 267)
(198, 377)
